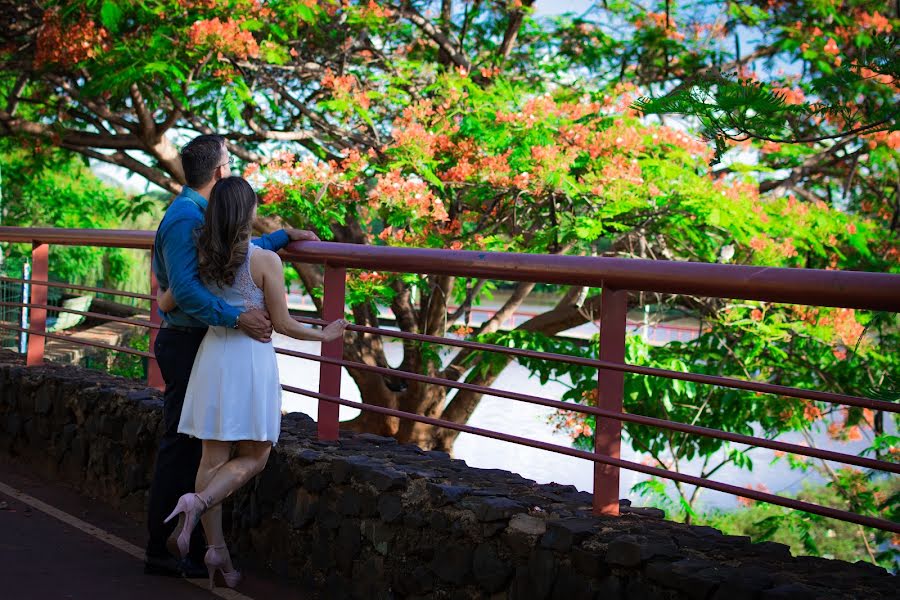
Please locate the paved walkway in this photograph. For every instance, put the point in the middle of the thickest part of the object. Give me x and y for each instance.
(57, 544)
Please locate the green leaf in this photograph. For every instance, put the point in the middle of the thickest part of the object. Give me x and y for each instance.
(111, 15)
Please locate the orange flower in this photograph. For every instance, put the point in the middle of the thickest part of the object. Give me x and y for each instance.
(831, 47)
(811, 412)
(789, 95)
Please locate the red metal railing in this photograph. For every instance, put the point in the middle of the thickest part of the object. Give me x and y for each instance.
(616, 277)
(40, 240)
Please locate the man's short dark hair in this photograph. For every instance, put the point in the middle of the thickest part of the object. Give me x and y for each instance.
(200, 158)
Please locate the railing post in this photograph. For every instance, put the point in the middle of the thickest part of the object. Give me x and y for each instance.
(154, 376)
(610, 388)
(40, 266)
(330, 375)
(24, 315)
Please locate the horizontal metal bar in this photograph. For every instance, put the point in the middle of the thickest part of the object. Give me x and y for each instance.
(83, 288)
(850, 459)
(849, 289)
(76, 340)
(753, 386)
(112, 238)
(93, 315)
(734, 490)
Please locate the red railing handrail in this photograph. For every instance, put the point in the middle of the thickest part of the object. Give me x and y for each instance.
(848, 289)
(111, 238)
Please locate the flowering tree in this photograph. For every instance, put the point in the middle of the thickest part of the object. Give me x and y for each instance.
(473, 125)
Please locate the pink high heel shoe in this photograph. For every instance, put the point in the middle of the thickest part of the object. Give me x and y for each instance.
(191, 506)
(217, 559)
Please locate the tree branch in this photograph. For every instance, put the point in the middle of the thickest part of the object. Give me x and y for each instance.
(123, 160)
(467, 303)
(145, 119)
(512, 29)
(444, 42)
(71, 136)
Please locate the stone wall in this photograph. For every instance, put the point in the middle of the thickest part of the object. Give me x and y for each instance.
(365, 517)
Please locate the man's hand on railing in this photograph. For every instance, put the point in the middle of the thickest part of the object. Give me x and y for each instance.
(256, 324)
(301, 235)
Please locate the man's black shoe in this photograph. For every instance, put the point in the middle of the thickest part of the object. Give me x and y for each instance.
(169, 566)
(192, 569)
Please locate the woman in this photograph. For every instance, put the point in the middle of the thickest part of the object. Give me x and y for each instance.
(233, 399)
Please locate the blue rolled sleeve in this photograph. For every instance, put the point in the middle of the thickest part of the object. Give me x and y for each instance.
(274, 241)
(193, 298)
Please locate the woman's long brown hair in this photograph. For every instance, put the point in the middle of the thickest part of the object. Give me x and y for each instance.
(224, 237)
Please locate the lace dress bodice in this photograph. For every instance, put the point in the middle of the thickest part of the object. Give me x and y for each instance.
(243, 293)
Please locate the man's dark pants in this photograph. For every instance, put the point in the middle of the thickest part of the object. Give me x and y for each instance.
(179, 455)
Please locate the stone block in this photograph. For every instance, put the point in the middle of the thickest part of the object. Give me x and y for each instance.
(542, 569)
(562, 534)
(453, 562)
(793, 591)
(303, 507)
(379, 534)
(442, 494)
(696, 579)
(378, 440)
(490, 570)
(390, 507)
(383, 478)
(347, 545)
(492, 508)
(572, 586)
(624, 552)
(349, 503)
(589, 562)
(315, 481)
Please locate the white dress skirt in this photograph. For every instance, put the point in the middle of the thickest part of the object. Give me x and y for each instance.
(234, 391)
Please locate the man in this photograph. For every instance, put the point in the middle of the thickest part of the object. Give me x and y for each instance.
(205, 161)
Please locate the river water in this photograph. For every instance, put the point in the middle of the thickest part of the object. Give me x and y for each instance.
(531, 421)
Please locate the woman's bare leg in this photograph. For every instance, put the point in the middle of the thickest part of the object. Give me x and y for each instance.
(215, 455)
(221, 477)
(250, 459)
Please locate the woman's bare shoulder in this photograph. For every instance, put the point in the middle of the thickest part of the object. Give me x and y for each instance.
(264, 261)
(265, 257)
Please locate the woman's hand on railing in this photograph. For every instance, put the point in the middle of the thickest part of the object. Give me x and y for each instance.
(334, 330)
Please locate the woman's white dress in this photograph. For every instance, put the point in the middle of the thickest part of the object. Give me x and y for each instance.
(234, 392)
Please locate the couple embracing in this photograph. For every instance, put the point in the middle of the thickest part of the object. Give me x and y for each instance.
(221, 295)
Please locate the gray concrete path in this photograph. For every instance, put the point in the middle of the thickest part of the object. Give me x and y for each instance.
(58, 544)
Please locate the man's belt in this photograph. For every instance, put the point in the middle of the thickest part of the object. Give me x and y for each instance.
(182, 328)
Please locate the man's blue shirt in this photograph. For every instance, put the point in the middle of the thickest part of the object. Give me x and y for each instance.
(175, 264)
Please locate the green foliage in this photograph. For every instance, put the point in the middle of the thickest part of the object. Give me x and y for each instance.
(53, 188)
(813, 535)
(122, 364)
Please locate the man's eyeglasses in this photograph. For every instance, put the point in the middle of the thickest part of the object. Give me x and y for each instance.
(228, 162)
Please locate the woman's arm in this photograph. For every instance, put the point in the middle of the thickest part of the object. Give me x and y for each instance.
(166, 300)
(269, 266)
